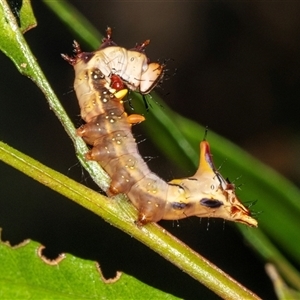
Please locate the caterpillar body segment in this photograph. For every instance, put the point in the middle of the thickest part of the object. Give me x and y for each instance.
(102, 79)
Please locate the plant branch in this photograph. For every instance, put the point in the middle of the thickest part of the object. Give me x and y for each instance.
(122, 215)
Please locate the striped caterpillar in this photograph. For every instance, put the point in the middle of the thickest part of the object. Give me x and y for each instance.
(102, 79)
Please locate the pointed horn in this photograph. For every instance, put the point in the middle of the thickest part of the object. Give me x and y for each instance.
(206, 164)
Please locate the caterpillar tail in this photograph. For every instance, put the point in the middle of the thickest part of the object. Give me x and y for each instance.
(208, 194)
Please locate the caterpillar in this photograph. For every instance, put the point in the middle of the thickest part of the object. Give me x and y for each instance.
(102, 79)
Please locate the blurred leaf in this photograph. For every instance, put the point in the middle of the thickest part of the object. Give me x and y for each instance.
(69, 15)
(282, 290)
(258, 240)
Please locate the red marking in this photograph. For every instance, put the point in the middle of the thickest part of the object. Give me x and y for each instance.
(116, 82)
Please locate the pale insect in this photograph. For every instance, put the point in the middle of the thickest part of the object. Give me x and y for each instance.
(108, 130)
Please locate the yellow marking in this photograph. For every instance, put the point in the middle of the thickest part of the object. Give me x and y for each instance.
(121, 94)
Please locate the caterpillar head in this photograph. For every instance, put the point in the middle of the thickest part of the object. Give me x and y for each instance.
(208, 194)
(132, 66)
(151, 77)
(151, 73)
(135, 71)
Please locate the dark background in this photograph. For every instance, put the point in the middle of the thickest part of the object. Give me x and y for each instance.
(237, 72)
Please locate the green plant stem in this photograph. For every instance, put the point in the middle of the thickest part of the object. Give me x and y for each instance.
(14, 45)
(121, 214)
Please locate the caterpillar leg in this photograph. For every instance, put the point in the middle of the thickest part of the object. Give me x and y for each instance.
(135, 119)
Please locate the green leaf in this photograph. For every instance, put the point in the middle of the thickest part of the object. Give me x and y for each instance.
(26, 274)
(27, 18)
(10, 32)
